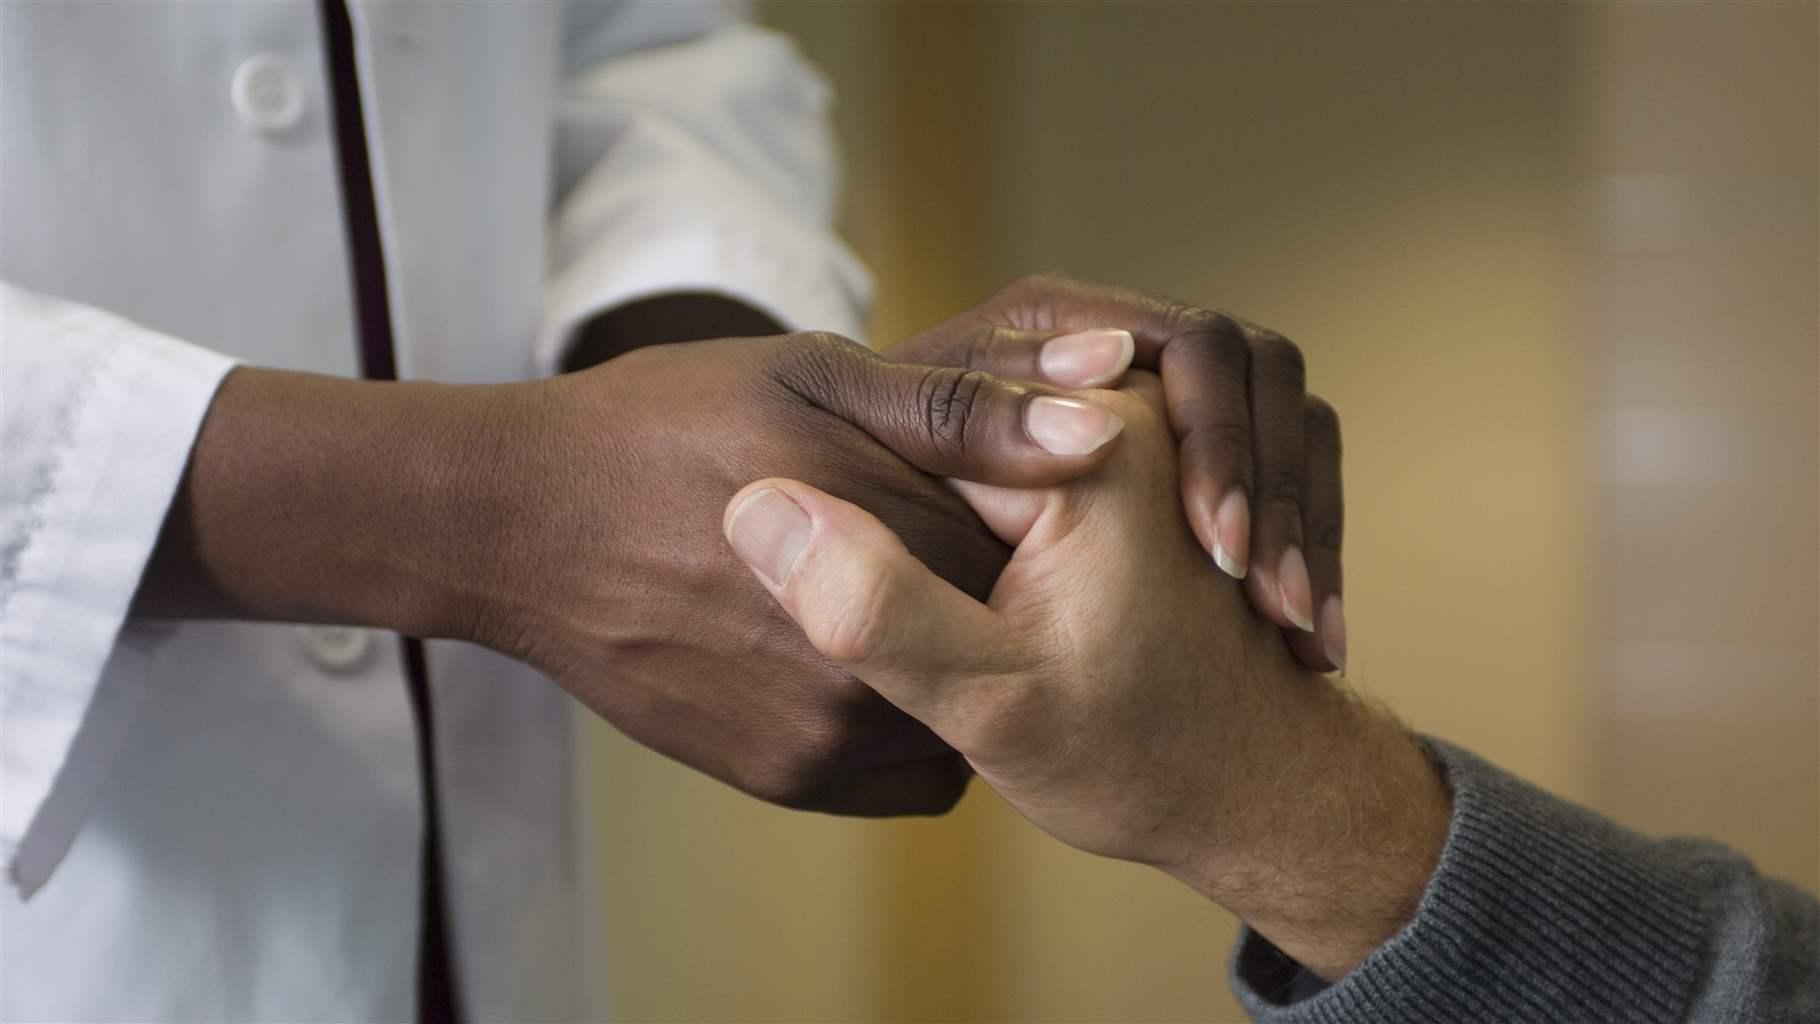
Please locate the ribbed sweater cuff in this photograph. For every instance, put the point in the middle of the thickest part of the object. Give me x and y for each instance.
(1539, 911)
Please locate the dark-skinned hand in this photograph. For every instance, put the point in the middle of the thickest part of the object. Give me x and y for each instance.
(574, 523)
(1260, 456)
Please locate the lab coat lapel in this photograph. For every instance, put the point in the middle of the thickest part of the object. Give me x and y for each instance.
(458, 100)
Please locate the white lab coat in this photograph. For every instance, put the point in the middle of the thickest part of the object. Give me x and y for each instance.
(222, 821)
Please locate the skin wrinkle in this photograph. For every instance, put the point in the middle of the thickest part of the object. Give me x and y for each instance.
(947, 396)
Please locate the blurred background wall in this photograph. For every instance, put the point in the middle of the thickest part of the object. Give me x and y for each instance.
(1557, 267)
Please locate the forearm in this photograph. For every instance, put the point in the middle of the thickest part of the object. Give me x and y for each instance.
(320, 499)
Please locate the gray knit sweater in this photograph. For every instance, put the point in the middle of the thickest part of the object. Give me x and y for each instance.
(1544, 911)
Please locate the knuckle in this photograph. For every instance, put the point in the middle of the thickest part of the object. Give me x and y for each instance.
(788, 782)
(1223, 359)
(948, 397)
(1214, 340)
(1326, 533)
(815, 363)
(1229, 353)
(798, 769)
(823, 340)
(817, 347)
(944, 786)
(982, 347)
(1280, 361)
(1213, 433)
(1321, 423)
(1039, 298)
(1203, 324)
(1281, 487)
(855, 627)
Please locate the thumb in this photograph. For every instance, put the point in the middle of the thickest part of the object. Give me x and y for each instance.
(956, 422)
(861, 598)
(1095, 357)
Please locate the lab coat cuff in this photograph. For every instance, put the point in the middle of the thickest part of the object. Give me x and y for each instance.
(91, 518)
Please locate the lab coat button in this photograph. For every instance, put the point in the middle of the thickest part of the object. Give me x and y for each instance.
(336, 648)
(267, 93)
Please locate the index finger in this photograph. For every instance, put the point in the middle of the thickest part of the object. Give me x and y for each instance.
(1205, 359)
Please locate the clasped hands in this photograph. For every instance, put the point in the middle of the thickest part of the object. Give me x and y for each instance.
(1082, 653)
(1114, 689)
(952, 557)
(645, 616)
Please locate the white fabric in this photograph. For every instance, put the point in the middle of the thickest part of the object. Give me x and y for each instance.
(99, 418)
(773, 180)
(221, 821)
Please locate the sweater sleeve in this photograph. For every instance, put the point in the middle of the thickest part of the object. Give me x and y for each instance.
(1541, 910)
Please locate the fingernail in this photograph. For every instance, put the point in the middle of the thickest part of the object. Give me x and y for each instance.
(1333, 632)
(1293, 589)
(1087, 359)
(769, 531)
(1069, 426)
(1232, 535)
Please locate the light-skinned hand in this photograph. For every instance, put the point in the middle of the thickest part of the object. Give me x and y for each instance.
(1118, 690)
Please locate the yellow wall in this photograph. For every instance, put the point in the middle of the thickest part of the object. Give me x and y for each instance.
(1400, 189)
(1706, 283)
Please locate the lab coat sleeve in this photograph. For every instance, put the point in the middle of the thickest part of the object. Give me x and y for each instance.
(694, 153)
(99, 416)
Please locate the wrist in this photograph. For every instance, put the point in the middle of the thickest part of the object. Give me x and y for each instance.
(477, 519)
(522, 527)
(455, 511)
(322, 499)
(1338, 832)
